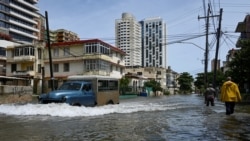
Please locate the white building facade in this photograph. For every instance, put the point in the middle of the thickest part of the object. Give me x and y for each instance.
(153, 42)
(128, 39)
(83, 57)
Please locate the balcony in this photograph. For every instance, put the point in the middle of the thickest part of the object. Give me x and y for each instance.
(24, 73)
(24, 58)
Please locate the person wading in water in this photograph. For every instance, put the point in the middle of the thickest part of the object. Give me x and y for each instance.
(230, 94)
(210, 95)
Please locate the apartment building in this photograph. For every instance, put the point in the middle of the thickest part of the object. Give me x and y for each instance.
(20, 23)
(83, 57)
(18, 20)
(244, 29)
(212, 65)
(128, 38)
(3, 44)
(150, 73)
(153, 42)
(23, 68)
(145, 45)
(230, 55)
(25, 62)
(144, 42)
(62, 35)
(172, 81)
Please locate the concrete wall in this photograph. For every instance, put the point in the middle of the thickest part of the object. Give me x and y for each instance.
(7, 89)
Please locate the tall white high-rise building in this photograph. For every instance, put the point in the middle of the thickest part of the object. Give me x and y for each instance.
(153, 42)
(18, 20)
(128, 39)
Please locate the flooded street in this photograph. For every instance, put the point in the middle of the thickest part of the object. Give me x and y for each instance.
(177, 117)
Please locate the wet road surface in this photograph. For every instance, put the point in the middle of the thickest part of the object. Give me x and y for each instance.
(167, 118)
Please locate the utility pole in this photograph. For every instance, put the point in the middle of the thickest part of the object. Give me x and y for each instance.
(217, 48)
(206, 49)
(207, 44)
(50, 58)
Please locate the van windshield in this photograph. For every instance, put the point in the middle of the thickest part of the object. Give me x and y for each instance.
(70, 86)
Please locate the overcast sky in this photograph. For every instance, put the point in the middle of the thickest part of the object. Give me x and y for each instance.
(96, 19)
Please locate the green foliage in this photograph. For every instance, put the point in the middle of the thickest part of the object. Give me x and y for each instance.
(240, 66)
(220, 78)
(124, 82)
(185, 80)
(199, 82)
(156, 86)
(166, 92)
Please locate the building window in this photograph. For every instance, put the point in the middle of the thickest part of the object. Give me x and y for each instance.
(121, 71)
(96, 65)
(13, 67)
(16, 51)
(26, 51)
(39, 67)
(29, 68)
(39, 51)
(96, 48)
(56, 52)
(66, 51)
(66, 67)
(55, 68)
(160, 60)
(2, 51)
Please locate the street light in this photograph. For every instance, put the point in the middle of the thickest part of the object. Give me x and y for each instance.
(206, 59)
(192, 44)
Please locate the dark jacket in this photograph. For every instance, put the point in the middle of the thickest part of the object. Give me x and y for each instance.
(210, 92)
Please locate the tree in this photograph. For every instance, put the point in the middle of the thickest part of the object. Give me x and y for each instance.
(220, 79)
(240, 66)
(124, 82)
(185, 80)
(199, 82)
(156, 86)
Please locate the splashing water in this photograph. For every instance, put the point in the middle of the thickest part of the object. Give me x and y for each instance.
(65, 110)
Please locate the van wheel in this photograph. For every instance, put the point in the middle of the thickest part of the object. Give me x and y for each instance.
(40, 101)
(110, 102)
(64, 99)
(76, 104)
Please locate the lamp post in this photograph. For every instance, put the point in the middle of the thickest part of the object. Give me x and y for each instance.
(206, 59)
(192, 44)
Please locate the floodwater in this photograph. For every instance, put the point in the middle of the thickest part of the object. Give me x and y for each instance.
(166, 118)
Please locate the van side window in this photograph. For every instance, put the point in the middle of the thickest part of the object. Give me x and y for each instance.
(86, 87)
(104, 85)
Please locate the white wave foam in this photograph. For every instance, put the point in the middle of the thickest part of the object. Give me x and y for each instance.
(65, 110)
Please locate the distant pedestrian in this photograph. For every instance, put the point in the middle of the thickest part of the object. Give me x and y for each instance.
(210, 95)
(230, 94)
